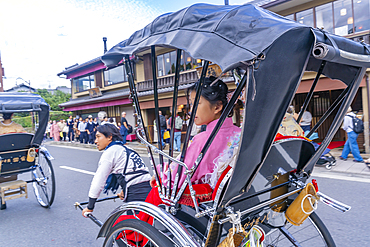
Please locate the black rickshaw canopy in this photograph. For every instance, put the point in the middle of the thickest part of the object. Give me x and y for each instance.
(27, 102)
(233, 36)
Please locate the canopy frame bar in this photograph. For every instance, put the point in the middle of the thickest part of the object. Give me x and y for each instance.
(140, 121)
(156, 108)
(310, 94)
(187, 137)
(328, 112)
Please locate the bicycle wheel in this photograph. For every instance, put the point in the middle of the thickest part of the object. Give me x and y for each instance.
(312, 232)
(135, 233)
(44, 181)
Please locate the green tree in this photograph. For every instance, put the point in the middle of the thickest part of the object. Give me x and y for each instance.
(54, 100)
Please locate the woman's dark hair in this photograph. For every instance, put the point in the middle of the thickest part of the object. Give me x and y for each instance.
(110, 130)
(7, 116)
(213, 92)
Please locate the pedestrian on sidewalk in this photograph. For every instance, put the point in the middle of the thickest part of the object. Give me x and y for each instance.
(118, 166)
(61, 126)
(124, 127)
(96, 124)
(351, 143)
(82, 129)
(306, 120)
(75, 128)
(71, 134)
(177, 132)
(55, 131)
(163, 124)
(65, 130)
(90, 130)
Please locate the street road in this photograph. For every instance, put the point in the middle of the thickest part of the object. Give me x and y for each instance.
(25, 223)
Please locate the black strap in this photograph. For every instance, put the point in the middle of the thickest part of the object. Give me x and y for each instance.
(139, 173)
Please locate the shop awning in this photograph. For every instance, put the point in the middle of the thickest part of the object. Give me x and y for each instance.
(98, 105)
(324, 84)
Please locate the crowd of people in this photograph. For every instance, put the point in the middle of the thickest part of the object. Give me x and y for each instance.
(82, 130)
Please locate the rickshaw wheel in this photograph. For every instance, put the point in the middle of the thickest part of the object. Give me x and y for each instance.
(2, 206)
(44, 185)
(312, 232)
(139, 231)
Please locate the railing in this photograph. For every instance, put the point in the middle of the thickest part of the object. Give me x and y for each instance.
(362, 36)
(168, 81)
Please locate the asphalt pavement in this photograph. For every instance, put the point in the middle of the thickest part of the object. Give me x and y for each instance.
(342, 167)
(25, 223)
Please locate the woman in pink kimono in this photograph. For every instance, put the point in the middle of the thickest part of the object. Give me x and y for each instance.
(55, 131)
(219, 156)
(223, 148)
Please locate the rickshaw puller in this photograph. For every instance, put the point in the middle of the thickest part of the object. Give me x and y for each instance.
(122, 165)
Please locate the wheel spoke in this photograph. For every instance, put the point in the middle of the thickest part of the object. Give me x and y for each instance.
(44, 181)
(310, 233)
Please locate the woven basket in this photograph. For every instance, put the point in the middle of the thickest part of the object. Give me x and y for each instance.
(233, 239)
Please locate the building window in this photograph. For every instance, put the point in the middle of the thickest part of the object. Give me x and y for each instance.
(343, 18)
(166, 63)
(324, 17)
(306, 17)
(84, 83)
(362, 15)
(115, 75)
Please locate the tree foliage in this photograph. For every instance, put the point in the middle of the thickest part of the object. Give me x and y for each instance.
(54, 99)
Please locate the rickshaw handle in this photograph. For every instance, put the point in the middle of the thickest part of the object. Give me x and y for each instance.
(90, 215)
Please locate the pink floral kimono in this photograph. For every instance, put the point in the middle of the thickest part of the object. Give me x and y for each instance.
(220, 153)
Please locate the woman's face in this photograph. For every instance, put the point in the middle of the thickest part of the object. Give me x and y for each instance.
(102, 141)
(206, 112)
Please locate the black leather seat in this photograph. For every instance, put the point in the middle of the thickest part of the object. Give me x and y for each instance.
(13, 152)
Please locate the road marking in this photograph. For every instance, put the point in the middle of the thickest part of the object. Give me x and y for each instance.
(342, 177)
(73, 147)
(77, 170)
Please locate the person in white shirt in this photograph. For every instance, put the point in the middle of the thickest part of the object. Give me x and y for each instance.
(118, 166)
(351, 143)
(82, 129)
(306, 120)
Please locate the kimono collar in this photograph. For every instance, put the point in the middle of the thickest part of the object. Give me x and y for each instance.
(227, 123)
(114, 143)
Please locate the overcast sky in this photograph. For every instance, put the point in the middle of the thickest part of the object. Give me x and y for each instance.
(40, 38)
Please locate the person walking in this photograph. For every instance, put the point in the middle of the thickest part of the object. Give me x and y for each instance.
(124, 127)
(71, 134)
(82, 129)
(351, 143)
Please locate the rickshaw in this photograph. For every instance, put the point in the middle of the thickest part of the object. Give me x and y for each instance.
(262, 186)
(23, 152)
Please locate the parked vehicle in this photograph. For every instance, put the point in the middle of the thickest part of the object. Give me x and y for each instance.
(24, 152)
